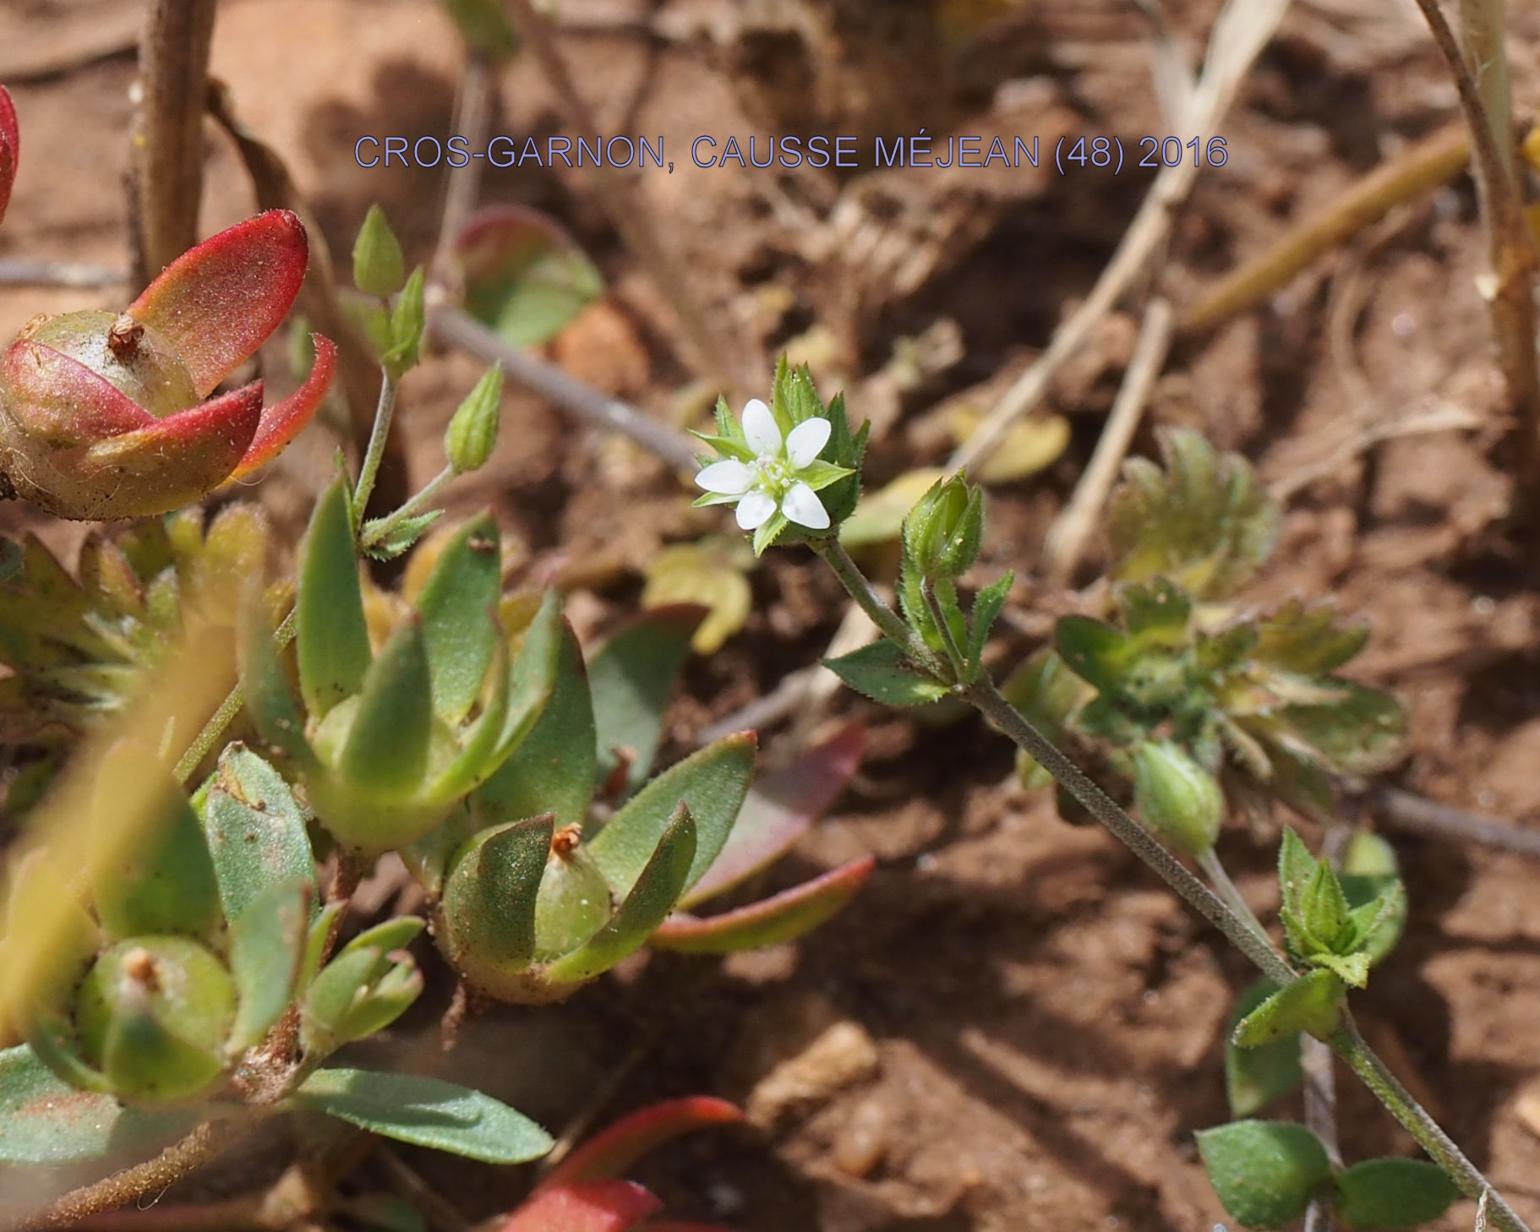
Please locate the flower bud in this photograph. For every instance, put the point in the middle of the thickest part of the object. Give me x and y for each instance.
(574, 900)
(153, 1015)
(1177, 796)
(943, 532)
(472, 433)
(378, 266)
(102, 415)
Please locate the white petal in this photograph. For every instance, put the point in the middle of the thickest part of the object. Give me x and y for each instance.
(759, 427)
(802, 506)
(755, 509)
(733, 478)
(806, 440)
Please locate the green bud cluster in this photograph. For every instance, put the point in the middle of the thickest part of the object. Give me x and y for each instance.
(193, 946)
(386, 744)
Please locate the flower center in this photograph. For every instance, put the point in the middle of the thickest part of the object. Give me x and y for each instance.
(773, 474)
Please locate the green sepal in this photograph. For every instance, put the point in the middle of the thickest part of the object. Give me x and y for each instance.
(333, 636)
(1312, 1004)
(533, 676)
(881, 672)
(267, 945)
(166, 882)
(651, 898)
(456, 605)
(1393, 1193)
(1265, 1172)
(711, 783)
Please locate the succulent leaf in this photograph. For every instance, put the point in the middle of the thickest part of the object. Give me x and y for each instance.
(333, 636)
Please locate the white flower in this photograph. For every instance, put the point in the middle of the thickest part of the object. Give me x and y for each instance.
(772, 480)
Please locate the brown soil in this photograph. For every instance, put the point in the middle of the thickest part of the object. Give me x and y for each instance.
(1047, 1020)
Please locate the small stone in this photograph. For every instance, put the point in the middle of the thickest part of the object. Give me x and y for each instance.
(862, 1141)
(842, 1055)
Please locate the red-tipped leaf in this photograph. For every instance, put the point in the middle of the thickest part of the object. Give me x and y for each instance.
(218, 302)
(10, 148)
(61, 402)
(780, 808)
(177, 460)
(614, 1150)
(594, 1206)
(283, 421)
(771, 921)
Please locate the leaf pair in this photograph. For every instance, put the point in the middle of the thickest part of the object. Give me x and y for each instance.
(386, 744)
(1267, 1172)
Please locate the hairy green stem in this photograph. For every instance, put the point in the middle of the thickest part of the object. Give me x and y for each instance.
(384, 413)
(375, 531)
(875, 606)
(1243, 932)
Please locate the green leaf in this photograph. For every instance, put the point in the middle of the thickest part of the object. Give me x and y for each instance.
(425, 1112)
(1256, 1076)
(1206, 521)
(987, 606)
(1308, 640)
(332, 994)
(401, 537)
(490, 893)
(880, 672)
(45, 1121)
(386, 751)
(1265, 1172)
(270, 702)
(1393, 1193)
(267, 943)
(648, 902)
(333, 637)
(1156, 613)
(165, 882)
(485, 26)
(1312, 1003)
(472, 432)
(630, 680)
(524, 276)
(1362, 732)
(254, 828)
(378, 266)
(459, 628)
(711, 783)
(553, 769)
(1097, 652)
(771, 921)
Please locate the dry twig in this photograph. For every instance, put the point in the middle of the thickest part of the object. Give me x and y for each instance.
(167, 145)
(1072, 529)
(1241, 30)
